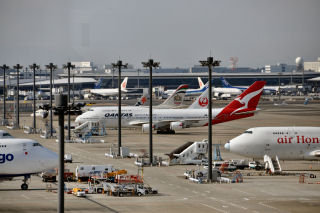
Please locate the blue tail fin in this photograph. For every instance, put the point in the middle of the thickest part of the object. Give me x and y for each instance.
(225, 83)
(98, 84)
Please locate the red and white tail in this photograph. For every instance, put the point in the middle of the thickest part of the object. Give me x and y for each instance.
(201, 84)
(124, 83)
(243, 106)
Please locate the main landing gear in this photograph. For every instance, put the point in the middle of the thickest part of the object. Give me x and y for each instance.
(167, 131)
(24, 186)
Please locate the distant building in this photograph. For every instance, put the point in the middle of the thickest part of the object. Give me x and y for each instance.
(82, 67)
(279, 68)
(314, 66)
(201, 69)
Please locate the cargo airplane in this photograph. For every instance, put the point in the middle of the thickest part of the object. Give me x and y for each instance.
(24, 157)
(278, 143)
(169, 120)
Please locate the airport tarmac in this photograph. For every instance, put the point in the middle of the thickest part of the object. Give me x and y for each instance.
(176, 194)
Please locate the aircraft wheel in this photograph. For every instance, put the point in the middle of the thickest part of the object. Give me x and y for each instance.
(24, 186)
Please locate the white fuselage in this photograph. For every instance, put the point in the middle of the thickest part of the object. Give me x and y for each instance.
(222, 90)
(24, 156)
(131, 116)
(105, 92)
(288, 143)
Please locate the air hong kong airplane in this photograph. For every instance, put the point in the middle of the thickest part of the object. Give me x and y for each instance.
(285, 143)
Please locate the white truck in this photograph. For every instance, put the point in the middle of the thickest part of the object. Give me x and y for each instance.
(84, 172)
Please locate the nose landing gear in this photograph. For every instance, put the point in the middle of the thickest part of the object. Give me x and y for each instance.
(24, 186)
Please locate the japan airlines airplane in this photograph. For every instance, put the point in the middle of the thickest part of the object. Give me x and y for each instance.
(285, 143)
(106, 92)
(169, 120)
(268, 90)
(24, 157)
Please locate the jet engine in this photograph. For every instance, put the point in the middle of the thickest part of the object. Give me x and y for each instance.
(145, 127)
(177, 125)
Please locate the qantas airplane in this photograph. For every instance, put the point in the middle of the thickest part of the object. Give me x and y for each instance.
(106, 92)
(24, 157)
(285, 143)
(169, 120)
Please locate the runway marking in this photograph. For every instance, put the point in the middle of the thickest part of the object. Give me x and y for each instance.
(238, 206)
(25, 196)
(246, 198)
(244, 192)
(211, 207)
(195, 192)
(268, 206)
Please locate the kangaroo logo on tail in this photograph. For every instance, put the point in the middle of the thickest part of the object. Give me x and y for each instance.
(245, 100)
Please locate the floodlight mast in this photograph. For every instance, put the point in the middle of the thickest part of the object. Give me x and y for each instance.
(51, 67)
(69, 66)
(34, 67)
(4, 67)
(210, 63)
(17, 67)
(119, 65)
(150, 64)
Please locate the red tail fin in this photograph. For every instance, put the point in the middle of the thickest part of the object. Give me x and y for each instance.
(243, 106)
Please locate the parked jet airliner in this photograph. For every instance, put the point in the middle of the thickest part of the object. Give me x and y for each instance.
(24, 157)
(106, 92)
(285, 143)
(267, 90)
(169, 120)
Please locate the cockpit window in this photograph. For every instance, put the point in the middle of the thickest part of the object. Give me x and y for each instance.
(90, 110)
(248, 132)
(36, 144)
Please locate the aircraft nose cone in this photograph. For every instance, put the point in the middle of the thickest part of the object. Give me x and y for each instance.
(227, 146)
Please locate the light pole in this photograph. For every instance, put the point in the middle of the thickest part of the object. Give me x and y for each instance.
(51, 67)
(210, 63)
(119, 65)
(68, 66)
(17, 67)
(61, 104)
(150, 64)
(34, 67)
(4, 67)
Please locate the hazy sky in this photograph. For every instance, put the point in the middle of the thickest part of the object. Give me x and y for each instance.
(178, 33)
